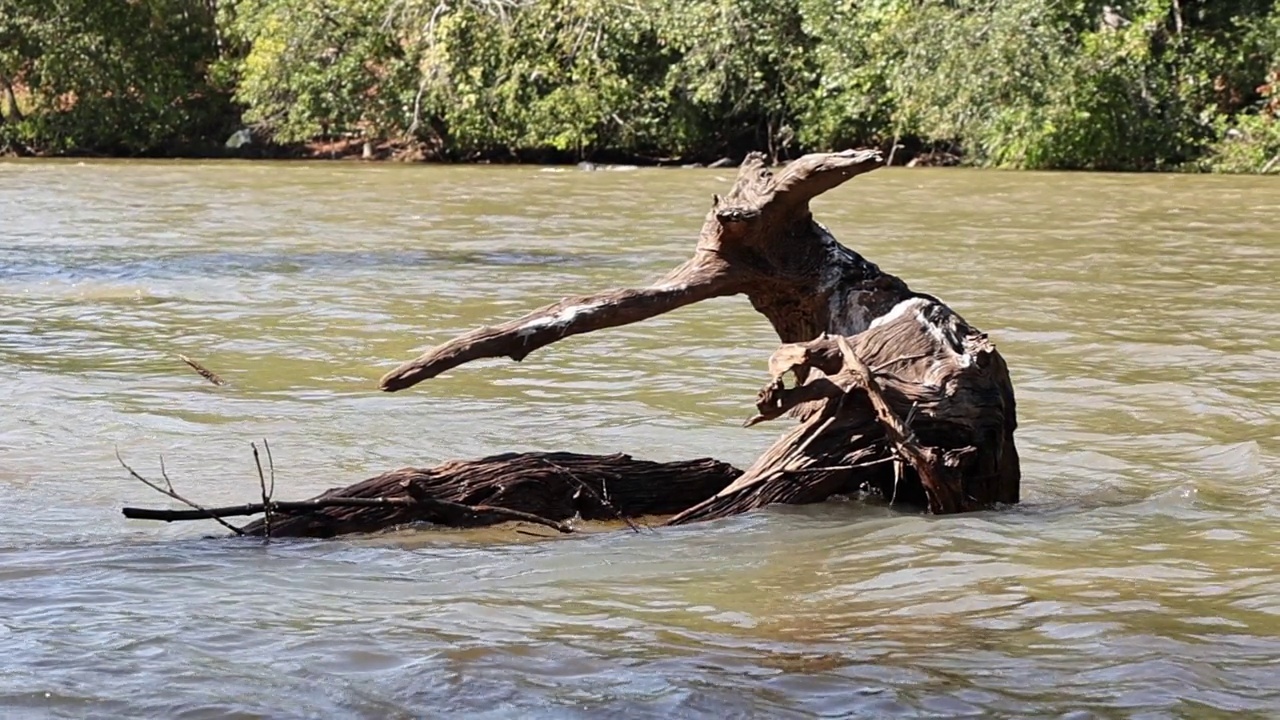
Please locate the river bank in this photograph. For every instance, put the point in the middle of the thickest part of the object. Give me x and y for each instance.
(909, 155)
(1024, 84)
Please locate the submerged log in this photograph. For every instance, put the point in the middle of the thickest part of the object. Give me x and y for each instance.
(551, 486)
(895, 393)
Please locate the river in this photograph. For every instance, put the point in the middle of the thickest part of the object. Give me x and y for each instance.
(1140, 577)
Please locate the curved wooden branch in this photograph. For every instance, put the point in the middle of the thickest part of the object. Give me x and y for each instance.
(168, 491)
(742, 250)
(703, 277)
(758, 190)
(811, 175)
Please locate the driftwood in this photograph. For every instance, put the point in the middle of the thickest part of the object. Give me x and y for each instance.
(894, 392)
(541, 488)
(202, 371)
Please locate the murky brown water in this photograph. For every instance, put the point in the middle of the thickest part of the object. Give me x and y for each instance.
(1140, 578)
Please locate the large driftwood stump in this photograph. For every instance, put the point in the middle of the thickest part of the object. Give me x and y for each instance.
(895, 393)
(761, 241)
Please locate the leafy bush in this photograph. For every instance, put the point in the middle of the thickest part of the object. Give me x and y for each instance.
(114, 77)
(316, 68)
(1010, 83)
(1248, 145)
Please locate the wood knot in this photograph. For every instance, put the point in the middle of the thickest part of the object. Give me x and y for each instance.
(736, 215)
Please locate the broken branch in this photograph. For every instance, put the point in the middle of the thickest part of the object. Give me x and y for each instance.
(282, 507)
(204, 512)
(453, 509)
(698, 279)
(266, 495)
(204, 372)
(811, 175)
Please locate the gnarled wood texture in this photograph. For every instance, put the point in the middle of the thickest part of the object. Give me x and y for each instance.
(554, 486)
(917, 409)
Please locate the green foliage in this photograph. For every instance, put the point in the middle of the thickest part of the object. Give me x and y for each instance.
(115, 77)
(651, 77)
(1247, 119)
(855, 57)
(1246, 146)
(317, 67)
(1021, 83)
(557, 75)
(1008, 83)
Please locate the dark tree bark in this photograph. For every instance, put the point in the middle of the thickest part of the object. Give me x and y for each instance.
(551, 486)
(895, 393)
(14, 110)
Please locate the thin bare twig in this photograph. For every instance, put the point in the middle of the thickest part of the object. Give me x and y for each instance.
(425, 501)
(167, 482)
(204, 512)
(266, 496)
(604, 501)
(832, 468)
(280, 508)
(204, 372)
(271, 466)
(911, 417)
(898, 469)
(307, 506)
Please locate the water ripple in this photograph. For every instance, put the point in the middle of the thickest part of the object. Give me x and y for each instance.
(1139, 577)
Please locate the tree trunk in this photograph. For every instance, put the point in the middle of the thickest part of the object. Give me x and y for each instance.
(895, 393)
(15, 112)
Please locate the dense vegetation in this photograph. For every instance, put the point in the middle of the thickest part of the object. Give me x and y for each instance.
(1016, 83)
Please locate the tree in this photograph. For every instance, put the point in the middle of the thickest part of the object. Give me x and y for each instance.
(114, 77)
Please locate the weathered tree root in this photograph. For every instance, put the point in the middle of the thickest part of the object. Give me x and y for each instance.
(854, 436)
(897, 395)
